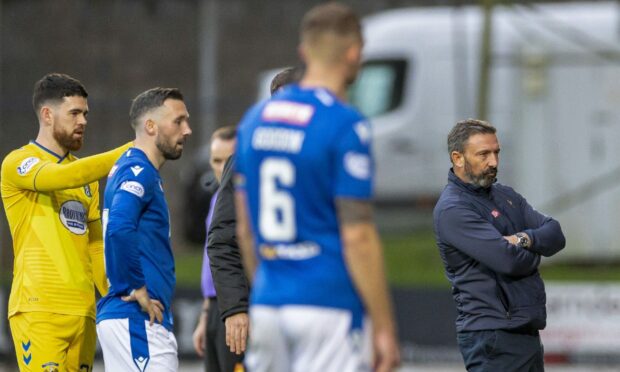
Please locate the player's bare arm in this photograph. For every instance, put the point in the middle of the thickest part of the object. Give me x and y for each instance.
(364, 258)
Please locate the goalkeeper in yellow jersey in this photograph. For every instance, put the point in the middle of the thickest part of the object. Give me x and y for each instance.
(51, 200)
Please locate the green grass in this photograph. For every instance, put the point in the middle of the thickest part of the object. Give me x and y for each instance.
(189, 267)
(412, 260)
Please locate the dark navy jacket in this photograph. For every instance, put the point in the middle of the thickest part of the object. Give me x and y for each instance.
(496, 285)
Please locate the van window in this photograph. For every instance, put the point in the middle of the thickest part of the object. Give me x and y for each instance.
(379, 87)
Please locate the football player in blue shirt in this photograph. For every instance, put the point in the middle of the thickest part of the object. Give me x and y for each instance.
(304, 216)
(134, 320)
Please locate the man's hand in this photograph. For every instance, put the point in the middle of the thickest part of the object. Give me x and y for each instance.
(386, 353)
(152, 307)
(512, 239)
(237, 332)
(199, 337)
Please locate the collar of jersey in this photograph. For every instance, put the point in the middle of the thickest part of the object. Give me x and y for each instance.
(142, 155)
(60, 158)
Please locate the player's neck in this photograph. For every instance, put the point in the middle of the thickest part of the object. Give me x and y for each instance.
(324, 77)
(152, 152)
(47, 140)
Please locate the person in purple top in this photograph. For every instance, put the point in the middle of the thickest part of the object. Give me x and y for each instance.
(210, 335)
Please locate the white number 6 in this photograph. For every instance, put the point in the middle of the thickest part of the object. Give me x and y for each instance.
(277, 206)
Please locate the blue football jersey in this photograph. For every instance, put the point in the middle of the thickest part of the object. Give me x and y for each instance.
(296, 154)
(136, 229)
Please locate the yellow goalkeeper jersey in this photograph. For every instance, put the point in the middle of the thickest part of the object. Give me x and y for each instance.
(52, 206)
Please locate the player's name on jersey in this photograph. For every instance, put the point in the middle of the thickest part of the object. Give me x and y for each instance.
(278, 139)
(296, 251)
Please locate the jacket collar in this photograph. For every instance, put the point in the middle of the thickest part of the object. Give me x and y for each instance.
(474, 189)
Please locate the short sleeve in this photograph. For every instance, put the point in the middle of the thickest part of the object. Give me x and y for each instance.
(354, 170)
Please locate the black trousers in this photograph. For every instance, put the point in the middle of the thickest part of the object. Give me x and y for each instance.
(218, 357)
(499, 350)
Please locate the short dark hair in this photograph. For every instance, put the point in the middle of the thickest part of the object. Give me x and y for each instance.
(285, 77)
(54, 87)
(331, 17)
(459, 135)
(149, 100)
(226, 133)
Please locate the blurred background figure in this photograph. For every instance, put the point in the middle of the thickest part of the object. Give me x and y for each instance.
(304, 217)
(210, 333)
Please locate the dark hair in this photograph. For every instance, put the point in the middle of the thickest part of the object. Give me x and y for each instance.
(459, 135)
(226, 133)
(55, 87)
(149, 100)
(285, 77)
(331, 17)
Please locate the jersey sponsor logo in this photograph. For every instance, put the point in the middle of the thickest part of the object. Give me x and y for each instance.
(26, 165)
(357, 165)
(73, 216)
(362, 129)
(133, 187)
(87, 191)
(278, 139)
(136, 170)
(141, 362)
(296, 251)
(288, 112)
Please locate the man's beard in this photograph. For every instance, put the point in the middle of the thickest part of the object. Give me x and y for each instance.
(66, 140)
(484, 179)
(170, 152)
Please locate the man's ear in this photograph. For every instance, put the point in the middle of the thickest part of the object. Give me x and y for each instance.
(46, 115)
(150, 127)
(458, 159)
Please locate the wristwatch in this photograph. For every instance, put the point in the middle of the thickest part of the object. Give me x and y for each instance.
(522, 240)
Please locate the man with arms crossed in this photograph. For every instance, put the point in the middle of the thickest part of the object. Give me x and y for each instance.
(491, 242)
(139, 260)
(51, 200)
(304, 187)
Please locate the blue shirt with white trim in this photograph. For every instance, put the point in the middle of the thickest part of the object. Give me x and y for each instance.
(137, 239)
(296, 154)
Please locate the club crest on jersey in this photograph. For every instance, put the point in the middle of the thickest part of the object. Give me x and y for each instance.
(50, 367)
(495, 213)
(26, 165)
(73, 216)
(288, 112)
(133, 187)
(87, 191)
(357, 165)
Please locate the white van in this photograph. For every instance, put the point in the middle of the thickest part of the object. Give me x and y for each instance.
(554, 97)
